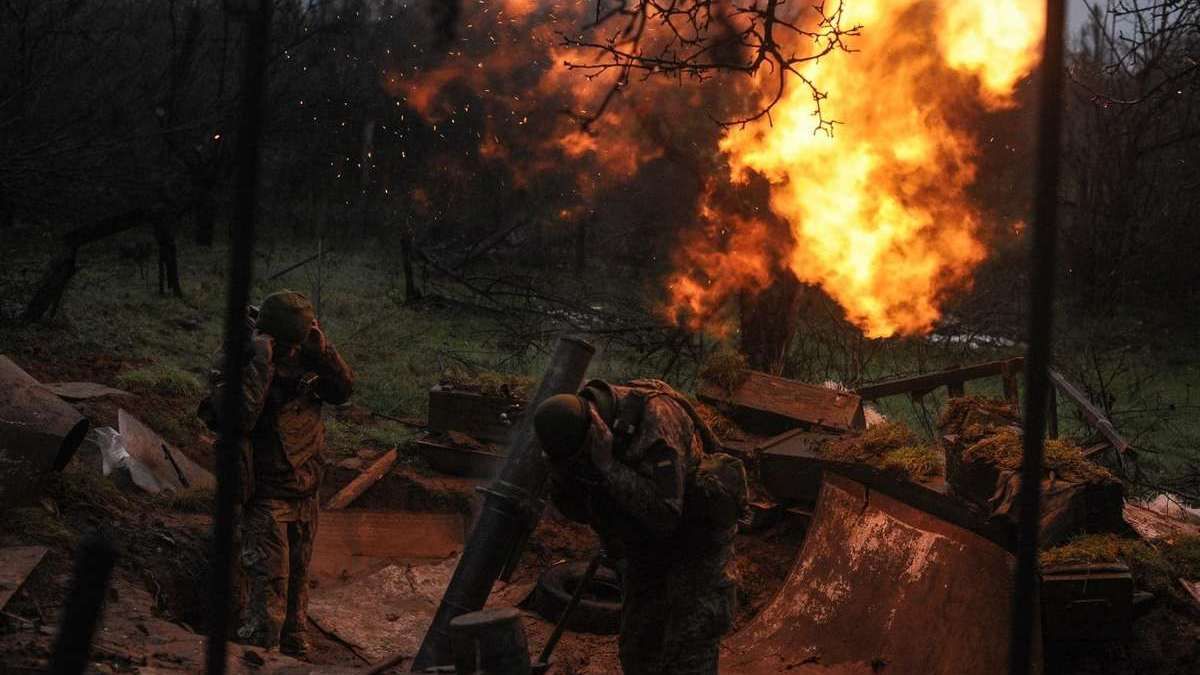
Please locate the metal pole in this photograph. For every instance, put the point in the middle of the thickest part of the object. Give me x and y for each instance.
(237, 334)
(511, 508)
(1037, 361)
(561, 626)
(93, 567)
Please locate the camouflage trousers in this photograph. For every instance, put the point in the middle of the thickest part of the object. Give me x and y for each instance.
(665, 635)
(277, 546)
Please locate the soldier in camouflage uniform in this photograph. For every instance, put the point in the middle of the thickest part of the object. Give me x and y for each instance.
(292, 370)
(640, 494)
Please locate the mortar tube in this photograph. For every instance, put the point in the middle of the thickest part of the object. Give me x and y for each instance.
(511, 508)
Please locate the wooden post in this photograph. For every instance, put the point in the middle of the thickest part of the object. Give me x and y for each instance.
(1052, 412)
(360, 484)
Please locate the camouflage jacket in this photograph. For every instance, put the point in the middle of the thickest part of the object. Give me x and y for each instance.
(284, 435)
(637, 505)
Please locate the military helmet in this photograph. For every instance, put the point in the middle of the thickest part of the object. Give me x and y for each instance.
(287, 316)
(561, 423)
(601, 395)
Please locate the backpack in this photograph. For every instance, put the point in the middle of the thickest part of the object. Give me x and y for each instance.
(717, 493)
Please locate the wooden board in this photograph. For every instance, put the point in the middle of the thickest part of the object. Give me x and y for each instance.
(766, 404)
(16, 564)
(952, 378)
(351, 542)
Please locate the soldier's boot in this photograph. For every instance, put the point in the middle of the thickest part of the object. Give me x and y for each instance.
(296, 645)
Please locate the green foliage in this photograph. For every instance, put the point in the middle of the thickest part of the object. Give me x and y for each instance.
(1155, 567)
(489, 382)
(163, 379)
(1062, 458)
(724, 368)
(917, 462)
(891, 446)
(35, 523)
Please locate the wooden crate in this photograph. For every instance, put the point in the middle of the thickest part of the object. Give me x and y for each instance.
(485, 418)
(1087, 602)
(769, 405)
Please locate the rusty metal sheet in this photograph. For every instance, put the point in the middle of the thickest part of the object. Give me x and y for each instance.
(167, 467)
(879, 581)
(39, 433)
(766, 404)
(350, 543)
(16, 564)
(383, 613)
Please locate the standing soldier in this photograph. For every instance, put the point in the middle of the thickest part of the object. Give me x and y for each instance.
(292, 370)
(637, 464)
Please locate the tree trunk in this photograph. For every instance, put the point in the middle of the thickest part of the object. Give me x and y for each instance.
(768, 323)
(206, 219)
(581, 245)
(168, 260)
(50, 290)
(411, 292)
(7, 213)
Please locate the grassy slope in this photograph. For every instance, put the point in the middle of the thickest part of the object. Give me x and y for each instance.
(111, 315)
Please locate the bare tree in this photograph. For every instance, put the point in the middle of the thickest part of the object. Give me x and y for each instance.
(698, 39)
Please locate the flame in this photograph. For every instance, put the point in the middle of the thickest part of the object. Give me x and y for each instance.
(879, 210)
(730, 254)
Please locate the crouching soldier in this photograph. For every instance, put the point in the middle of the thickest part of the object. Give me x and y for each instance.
(637, 464)
(291, 370)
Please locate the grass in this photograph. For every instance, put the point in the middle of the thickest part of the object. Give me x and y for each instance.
(398, 351)
(188, 500)
(1155, 565)
(891, 446)
(162, 379)
(1062, 458)
(489, 382)
(724, 368)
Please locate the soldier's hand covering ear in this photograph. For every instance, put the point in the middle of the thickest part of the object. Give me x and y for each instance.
(314, 342)
(264, 347)
(599, 441)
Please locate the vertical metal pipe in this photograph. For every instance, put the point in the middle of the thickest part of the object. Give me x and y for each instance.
(237, 335)
(1037, 361)
(511, 508)
(93, 567)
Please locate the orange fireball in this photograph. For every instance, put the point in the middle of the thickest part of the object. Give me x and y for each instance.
(879, 210)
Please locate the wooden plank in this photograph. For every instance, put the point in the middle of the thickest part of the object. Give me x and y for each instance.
(362, 482)
(768, 404)
(349, 542)
(1052, 413)
(945, 378)
(1193, 591)
(1094, 415)
(16, 564)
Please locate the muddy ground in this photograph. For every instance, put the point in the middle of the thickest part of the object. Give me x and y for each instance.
(157, 604)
